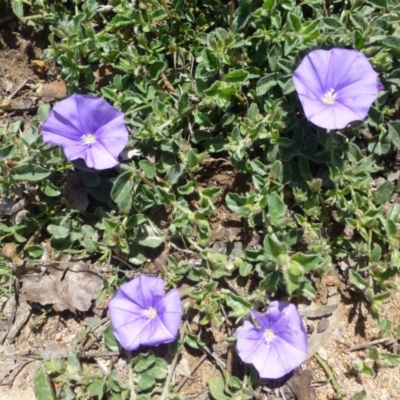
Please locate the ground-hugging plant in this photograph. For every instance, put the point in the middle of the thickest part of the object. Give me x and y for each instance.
(201, 82)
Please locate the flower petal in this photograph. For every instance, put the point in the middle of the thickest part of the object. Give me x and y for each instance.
(313, 70)
(113, 135)
(97, 156)
(65, 115)
(281, 313)
(132, 335)
(52, 137)
(289, 356)
(274, 356)
(93, 112)
(271, 363)
(156, 333)
(169, 311)
(79, 116)
(350, 66)
(127, 319)
(57, 124)
(250, 342)
(350, 78)
(335, 116)
(143, 290)
(284, 317)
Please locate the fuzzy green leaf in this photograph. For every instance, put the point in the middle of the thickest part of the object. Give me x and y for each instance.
(42, 385)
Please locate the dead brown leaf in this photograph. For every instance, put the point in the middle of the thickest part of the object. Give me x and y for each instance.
(17, 313)
(53, 90)
(11, 363)
(67, 285)
(300, 384)
(76, 192)
(102, 72)
(39, 66)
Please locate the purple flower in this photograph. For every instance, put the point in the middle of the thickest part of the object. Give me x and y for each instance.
(335, 87)
(141, 314)
(278, 344)
(87, 127)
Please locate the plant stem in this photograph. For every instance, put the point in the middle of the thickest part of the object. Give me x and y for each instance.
(131, 379)
(330, 375)
(172, 367)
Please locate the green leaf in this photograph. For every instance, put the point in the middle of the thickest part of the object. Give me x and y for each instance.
(121, 192)
(308, 261)
(42, 385)
(143, 362)
(265, 84)
(73, 361)
(237, 76)
(7, 152)
(96, 388)
(193, 341)
(357, 280)
(360, 395)
(244, 15)
(174, 173)
(384, 192)
(31, 173)
(211, 192)
(149, 236)
(186, 189)
(294, 21)
(43, 112)
(272, 248)
(389, 360)
(307, 290)
(156, 69)
(376, 253)
(148, 168)
(379, 4)
(238, 304)
(49, 189)
(18, 10)
(146, 381)
(276, 207)
(216, 386)
(160, 369)
(109, 339)
(394, 132)
(270, 282)
(236, 203)
(209, 59)
(392, 42)
(245, 269)
(58, 232)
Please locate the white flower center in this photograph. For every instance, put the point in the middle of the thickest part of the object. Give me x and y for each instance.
(88, 139)
(150, 313)
(269, 335)
(329, 96)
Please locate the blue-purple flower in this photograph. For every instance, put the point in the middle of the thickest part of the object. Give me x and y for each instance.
(87, 127)
(336, 87)
(141, 314)
(277, 344)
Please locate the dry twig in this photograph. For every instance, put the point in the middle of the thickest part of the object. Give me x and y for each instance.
(390, 340)
(192, 371)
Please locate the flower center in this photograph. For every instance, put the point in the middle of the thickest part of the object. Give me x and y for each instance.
(88, 139)
(330, 96)
(269, 335)
(150, 313)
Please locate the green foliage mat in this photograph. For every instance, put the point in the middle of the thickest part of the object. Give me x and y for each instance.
(206, 86)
